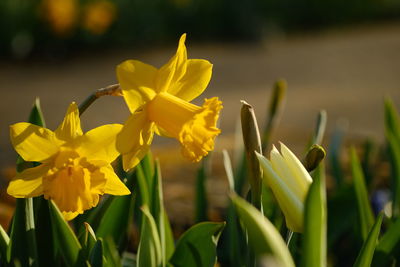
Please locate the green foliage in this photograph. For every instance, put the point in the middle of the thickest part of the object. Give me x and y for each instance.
(263, 237)
(365, 214)
(197, 246)
(315, 226)
(364, 259)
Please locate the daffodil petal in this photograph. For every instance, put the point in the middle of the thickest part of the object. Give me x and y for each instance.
(137, 80)
(99, 143)
(296, 167)
(174, 70)
(195, 80)
(69, 215)
(161, 132)
(28, 183)
(32, 142)
(279, 165)
(70, 128)
(291, 206)
(114, 185)
(135, 138)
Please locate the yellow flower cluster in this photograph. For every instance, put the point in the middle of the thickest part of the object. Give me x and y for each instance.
(75, 166)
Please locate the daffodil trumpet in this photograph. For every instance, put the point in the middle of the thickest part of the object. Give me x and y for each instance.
(159, 100)
(289, 182)
(75, 167)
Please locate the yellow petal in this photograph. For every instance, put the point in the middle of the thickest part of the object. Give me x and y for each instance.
(195, 80)
(114, 186)
(296, 167)
(70, 128)
(28, 183)
(282, 169)
(69, 215)
(174, 70)
(32, 142)
(134, 139)
(137, 81)
(99, 143)
(290, 205)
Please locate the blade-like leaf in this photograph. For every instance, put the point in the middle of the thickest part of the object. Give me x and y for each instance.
(262, 235)
(149, 250)
(111, 254)
(394, 152)
(96, 254)
(115, 220)
(315, 217)
(366, 215)
(197, 246)
(4, 241)
(228, 170)
(387, 244)
(275, 105)
(67, 242)
(161, 217)
(392, 119)
(364, 259)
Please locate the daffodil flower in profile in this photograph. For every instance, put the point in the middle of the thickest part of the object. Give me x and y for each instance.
(75, 167)
(159, 100)
(289, 182)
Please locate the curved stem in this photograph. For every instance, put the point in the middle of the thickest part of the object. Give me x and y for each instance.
(112, 90)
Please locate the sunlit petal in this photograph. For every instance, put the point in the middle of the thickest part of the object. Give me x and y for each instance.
(137, 81)
(99, 143)
(70, 128)
(28, 183)
(134, 139)
(174, 70)
(114, 185)
(195, 80)
(32, 142)
(291, 206)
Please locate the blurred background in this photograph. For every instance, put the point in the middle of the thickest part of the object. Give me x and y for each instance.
(337, 55)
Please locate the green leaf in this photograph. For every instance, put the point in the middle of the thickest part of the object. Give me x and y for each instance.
(275, 105)
(114, 220)
(394, 152)
(36, 115)
(366, 215)
(96, 254)
(149, 250)
(315, 217)
(392, 120)
(262, 235)
(66, 240)
(364, 259)
(387, 244)
(111, 254)
(161, 217)
(228, 170)
(201, 203)
(4, 241)
(197, 246)
(88, 239)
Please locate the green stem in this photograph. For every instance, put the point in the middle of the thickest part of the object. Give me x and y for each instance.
(113, 90)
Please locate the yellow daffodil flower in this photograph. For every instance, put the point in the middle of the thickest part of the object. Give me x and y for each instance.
(159, 102)
(289, 182)
(75, 167)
